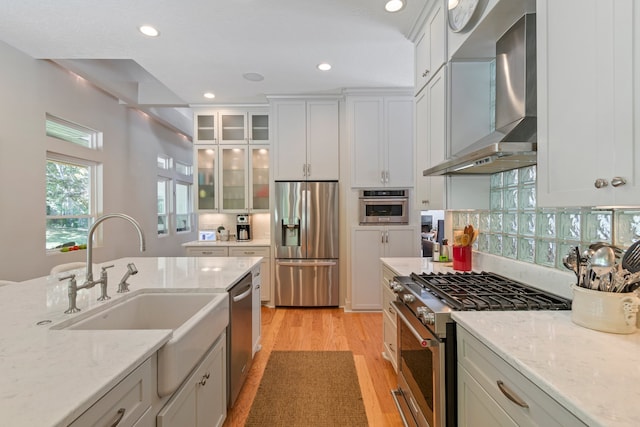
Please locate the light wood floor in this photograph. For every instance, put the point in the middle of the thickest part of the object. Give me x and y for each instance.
(326, 329)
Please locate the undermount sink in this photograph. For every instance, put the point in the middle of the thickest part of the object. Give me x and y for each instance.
(196, 319)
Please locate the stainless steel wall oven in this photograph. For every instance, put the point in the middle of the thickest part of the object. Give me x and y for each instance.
(384, 207)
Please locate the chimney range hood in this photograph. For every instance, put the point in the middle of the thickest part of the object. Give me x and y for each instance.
(513, 144)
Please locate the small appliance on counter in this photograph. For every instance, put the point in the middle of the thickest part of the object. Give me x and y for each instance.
(243, 228)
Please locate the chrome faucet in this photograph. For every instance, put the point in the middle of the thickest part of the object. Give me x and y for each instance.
(89, 282)
(73, 289)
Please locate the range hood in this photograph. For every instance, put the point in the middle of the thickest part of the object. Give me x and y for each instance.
(513, 144)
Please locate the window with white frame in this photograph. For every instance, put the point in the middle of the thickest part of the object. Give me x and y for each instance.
(72, 183)
(174, 195)
(164, 202)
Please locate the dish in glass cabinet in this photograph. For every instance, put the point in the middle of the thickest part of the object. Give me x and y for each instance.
(461, 13)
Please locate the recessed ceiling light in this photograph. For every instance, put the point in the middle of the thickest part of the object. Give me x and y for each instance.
(324, 66)
(453, 4)
(209, 95)
(394, 5)
(148, 30)
(254, 77)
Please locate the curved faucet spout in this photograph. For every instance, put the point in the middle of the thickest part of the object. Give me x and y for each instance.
(92, 229)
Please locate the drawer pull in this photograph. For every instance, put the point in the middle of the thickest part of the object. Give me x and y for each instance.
(121, 412)
(249, 252)
(511, 395)
(391, 310)
(206, 252)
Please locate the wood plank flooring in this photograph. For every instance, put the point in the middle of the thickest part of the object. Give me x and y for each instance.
(326, 329)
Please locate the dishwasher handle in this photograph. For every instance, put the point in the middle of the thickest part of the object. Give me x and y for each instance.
(243, 295)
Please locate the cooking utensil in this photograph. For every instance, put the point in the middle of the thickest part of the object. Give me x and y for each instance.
(631, 258)
(603, 259)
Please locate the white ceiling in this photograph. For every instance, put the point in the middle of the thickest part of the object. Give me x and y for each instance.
(207, 45)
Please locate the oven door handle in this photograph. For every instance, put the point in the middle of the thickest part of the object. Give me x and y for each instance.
(424, 342)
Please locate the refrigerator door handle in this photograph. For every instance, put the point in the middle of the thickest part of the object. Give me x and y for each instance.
(306, 263)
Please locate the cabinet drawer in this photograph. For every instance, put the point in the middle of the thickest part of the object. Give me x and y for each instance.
(130, 399)
(387, 298)
(249, 251)
(209, 251)
(487, 368)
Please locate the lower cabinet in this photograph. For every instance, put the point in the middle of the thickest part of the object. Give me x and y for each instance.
(124, 404)
(389, 319)
(369, 244)
(202, 399)
(256, 313)
(242, 251)
(493, 393)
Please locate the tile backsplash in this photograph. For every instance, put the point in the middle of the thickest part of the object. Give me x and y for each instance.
(515, 227)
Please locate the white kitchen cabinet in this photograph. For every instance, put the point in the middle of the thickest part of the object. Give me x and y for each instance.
(389, 319)
(381, 137)
(430, 46)
(369, 244)
(306, 139)
(431, 139)
(244, 178)
(492, 392)
(588, 103)
(265, 265)
(256, 281)
(124, 404)
(201, 401)
(213, 126)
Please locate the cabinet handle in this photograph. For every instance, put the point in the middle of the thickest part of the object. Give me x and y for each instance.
(425, 202)
(382, 237)
(391, 347)
(206, 252)
(304, 169)
(511, 395)
(382, 177)
(308, 169)
(203, 380)
(426, 73)
(617, 181)
(601, 183)
(386, 177)
(120, 415)
(249, 252)
(391, 310)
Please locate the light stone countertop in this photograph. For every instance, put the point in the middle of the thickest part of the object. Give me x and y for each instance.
(50, 377)
(595, 375)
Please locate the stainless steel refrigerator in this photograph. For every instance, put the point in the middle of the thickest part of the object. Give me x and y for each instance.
(306, 217)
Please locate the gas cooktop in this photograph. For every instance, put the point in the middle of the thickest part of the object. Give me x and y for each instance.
(487, 291)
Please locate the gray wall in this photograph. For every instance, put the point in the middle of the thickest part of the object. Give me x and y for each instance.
(29, 89)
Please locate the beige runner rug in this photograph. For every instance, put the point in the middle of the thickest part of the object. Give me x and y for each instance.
(308, 388)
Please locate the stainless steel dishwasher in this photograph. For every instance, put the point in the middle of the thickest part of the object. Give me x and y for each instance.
(239, 338)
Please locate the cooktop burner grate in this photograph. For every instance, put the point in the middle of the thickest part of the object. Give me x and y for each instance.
(488, 291)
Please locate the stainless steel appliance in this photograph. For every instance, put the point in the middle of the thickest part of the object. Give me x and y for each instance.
(306, 224)
(243, 228)
(514, 142)
(427, 381)
(239, 336)
(384, 207)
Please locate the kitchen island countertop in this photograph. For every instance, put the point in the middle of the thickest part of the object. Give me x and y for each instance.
(50, 377)
(225, 243)
(595, 375)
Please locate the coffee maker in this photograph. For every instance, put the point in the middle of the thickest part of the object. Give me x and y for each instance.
(243, 228)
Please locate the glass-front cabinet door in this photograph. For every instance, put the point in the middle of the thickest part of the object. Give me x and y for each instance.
(259, 126)
(259, 179)
(233, 180)
(233, 128)
(206, 128)
(207, 164)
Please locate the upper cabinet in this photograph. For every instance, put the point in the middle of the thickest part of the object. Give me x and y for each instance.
(232, 126)
(588, 103)
(232, 178)
(381, 137)
(431, 46)
(306, 139)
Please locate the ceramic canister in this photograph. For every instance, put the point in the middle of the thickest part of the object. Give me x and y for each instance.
(605, 311)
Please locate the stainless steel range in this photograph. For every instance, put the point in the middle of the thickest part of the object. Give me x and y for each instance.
(426, 394)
